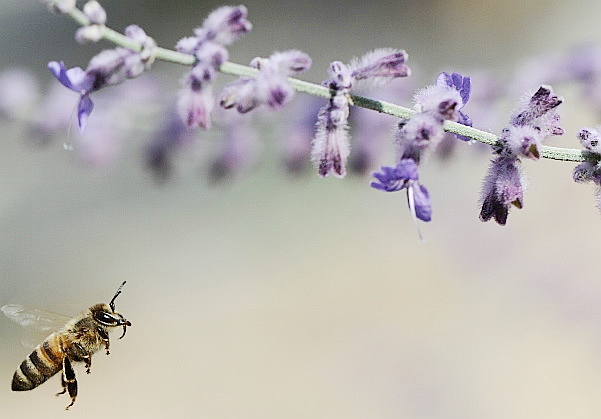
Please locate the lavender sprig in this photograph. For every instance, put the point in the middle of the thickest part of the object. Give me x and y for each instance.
(234, 69)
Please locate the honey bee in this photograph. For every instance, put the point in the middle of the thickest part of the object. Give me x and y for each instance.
(76, 341)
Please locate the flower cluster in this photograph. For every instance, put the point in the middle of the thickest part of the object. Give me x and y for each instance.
(534, 119)
(109, 67)
(221, 28)
(331, 147)
(435, 104)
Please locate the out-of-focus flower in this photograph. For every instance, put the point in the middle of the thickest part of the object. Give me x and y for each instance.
(239, 148)
(107, 68)
(221, 28)
(172, 136)
(61, 6)
(19, 91)
(97, 16)
(270, 86)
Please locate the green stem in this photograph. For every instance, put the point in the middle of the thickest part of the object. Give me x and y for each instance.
(163, 54)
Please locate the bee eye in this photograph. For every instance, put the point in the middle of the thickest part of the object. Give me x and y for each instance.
(104, 317)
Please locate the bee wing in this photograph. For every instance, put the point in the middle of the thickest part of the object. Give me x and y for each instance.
(34, 318)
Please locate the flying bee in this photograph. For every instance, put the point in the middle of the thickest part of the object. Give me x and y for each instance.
(76, 341)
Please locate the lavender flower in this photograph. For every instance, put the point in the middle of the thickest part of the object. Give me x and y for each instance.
(221, 28)
(590, 170)
(533, 120)
(423, 131)
(239, 148)
(533, 107)
(330, 146)
(109, 67)
(503, 187)
(379, 67)
(171, 137)
(270, 86)
(463, 85)
(97, 16)
(405, 176)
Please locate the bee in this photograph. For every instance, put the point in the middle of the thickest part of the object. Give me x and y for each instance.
(76, 341)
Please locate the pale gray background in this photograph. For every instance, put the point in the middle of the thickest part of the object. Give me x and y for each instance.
(271, 298)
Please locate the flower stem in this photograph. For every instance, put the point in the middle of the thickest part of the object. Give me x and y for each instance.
(164, 54)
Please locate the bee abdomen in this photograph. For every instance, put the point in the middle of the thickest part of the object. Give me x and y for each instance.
(40, 365)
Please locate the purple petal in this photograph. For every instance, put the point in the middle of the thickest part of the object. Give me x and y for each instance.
(423, 207)
(84, 109)
(58, 70)
(458, 82)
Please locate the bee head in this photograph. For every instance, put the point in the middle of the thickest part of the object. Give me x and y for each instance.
(107, 316)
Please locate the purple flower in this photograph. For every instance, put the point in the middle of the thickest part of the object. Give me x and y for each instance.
(79, 81)
(107, 68)
(222, 27)
(239, 148)
(330, 146)
(270, 86)
(392, 179)
(379, 67)
(503, 187)
(170, 138)
(534, 119)
(445, 98)
(522, 140)
(590, 170)
(463, 85)
(423, 131)
(590, 138)
(536, 106)
(97, 16)
(405, 176)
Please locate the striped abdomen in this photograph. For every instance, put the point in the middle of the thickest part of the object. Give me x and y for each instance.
(45, 361)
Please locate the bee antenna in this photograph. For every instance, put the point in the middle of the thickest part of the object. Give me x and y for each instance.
(112, 303)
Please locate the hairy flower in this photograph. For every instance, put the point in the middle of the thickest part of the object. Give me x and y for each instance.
(522, 140)
(379, 67)
(590, 170)
(331, 144)
(503, 187)
(534, 118)
(590, 138)
(270, 86)
(221, 28)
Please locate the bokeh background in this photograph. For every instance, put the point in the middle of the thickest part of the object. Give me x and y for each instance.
(277, 297)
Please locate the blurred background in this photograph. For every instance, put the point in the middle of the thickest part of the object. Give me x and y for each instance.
(265, 295)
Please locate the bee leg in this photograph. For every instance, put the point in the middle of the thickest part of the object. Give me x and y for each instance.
(88, 360)
(69, 381)
(105, 338)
